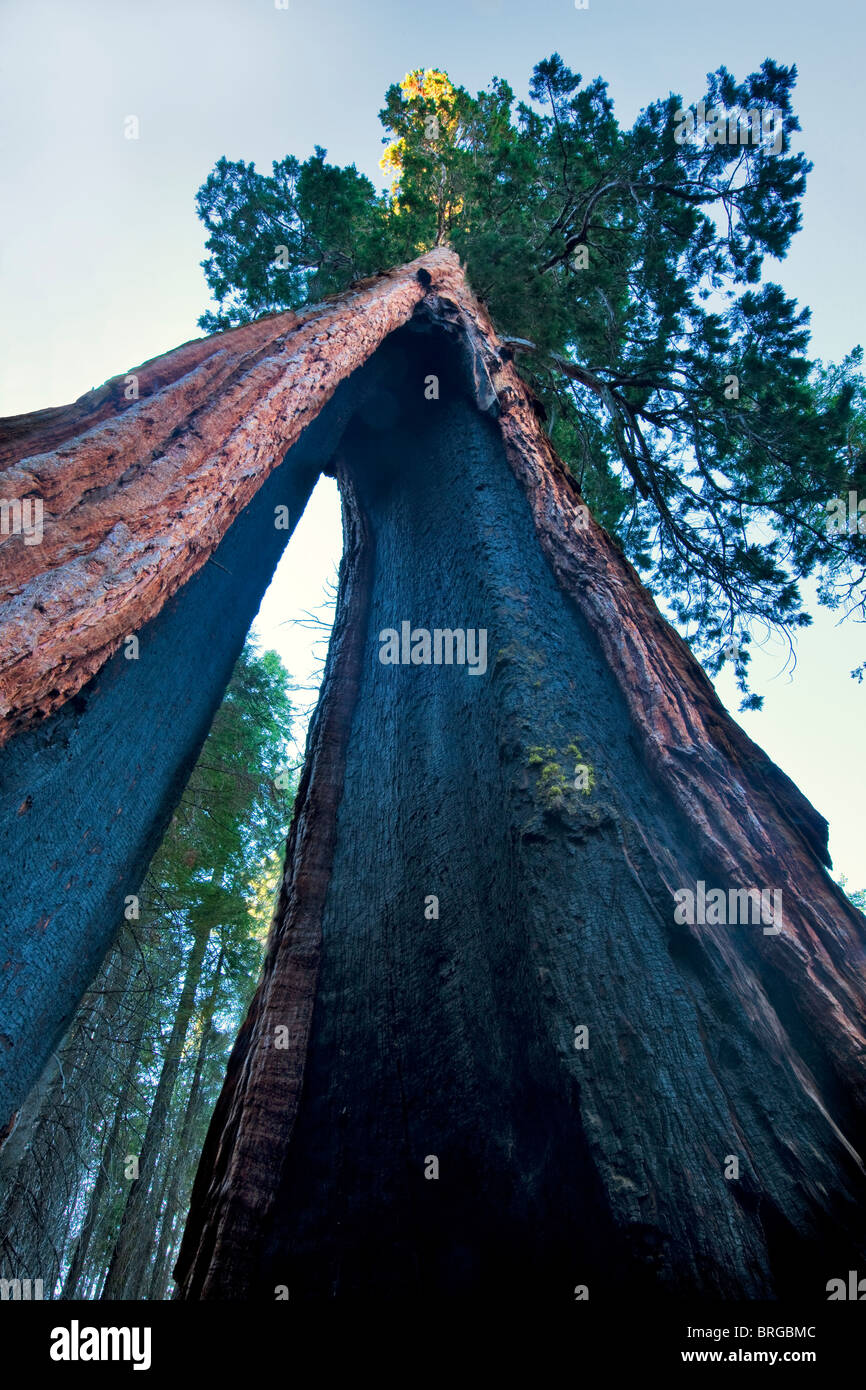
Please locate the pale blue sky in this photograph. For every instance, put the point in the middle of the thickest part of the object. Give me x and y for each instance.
(99, 264)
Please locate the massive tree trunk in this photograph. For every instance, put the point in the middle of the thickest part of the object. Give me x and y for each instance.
(484, 1056)
(451, 1038)
(214, 461)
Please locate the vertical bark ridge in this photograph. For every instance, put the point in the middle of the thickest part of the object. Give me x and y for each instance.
(254, 1117)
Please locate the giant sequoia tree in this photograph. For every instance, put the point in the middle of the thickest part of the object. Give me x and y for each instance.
(487, 1050)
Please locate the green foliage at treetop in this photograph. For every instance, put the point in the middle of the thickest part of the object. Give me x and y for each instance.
(631, 263)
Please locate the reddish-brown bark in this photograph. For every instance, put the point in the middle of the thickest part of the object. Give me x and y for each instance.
(138, 494)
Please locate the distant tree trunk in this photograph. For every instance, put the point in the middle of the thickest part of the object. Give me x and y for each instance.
(44, 1160)
(179, 1161)
(107, 1171)
(509, 1067)
(24, 1216)
(130, 1257)
(14, 1153)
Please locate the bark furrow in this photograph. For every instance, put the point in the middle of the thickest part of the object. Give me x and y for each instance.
(253, 1121)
